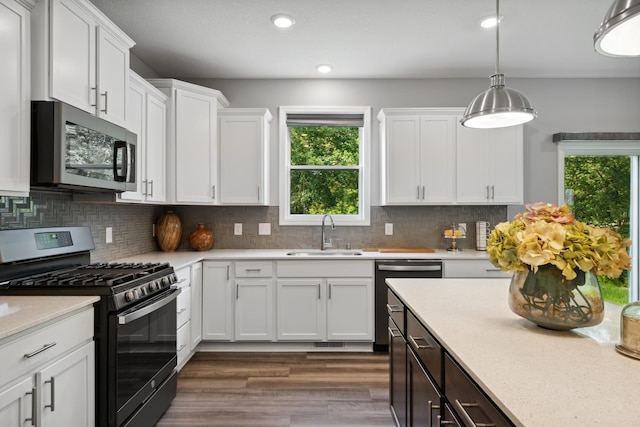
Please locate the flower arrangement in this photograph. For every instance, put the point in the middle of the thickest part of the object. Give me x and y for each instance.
(547, 234)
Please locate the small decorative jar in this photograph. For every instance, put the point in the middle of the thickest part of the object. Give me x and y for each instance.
(630, 330)
(169, 231)
(201, 239)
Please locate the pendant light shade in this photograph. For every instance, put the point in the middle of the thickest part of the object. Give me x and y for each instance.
(499, 106)
(619, 33)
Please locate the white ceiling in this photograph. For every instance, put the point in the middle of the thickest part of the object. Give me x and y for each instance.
(366, 38)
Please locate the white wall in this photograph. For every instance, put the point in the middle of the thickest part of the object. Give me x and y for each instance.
(563, 105)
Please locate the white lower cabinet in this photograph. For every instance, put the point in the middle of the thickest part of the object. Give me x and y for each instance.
(350, 309)
(217, 300)
(48, 375)
(254, 310)
(196, 305)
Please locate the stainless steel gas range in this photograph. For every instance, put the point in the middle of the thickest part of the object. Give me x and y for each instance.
(135, 319)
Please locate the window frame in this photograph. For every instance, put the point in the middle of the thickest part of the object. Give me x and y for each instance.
(612, 148)
(364, 167)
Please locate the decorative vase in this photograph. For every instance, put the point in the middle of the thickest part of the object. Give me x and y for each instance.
(549, 300)
(201, 239)
(169, 231)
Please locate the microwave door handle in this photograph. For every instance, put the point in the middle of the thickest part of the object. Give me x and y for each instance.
(120, 145)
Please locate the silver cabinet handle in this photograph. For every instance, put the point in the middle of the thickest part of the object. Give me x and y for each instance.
(151, 185)
(181, 347)
(462, 406)
(213, 192)
(146, 185)
(445, 422)
(487, 188)
(319, 290)
(392, 332)
(40, 350)
(430, 408)
(329, 290)
(237, 290)
(423, 192)
(493, 192)
(227, 272)
(34, 412)
(417, 192)
(414, 341)
(394, 309)
(106, 101)
(253, 270)
(258, 192)
(53, 394)
(182, 310)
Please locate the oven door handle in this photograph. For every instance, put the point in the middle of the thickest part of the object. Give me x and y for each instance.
(123, 319)
(384, 267)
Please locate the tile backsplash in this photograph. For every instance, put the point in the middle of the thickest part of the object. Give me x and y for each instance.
(413, 226)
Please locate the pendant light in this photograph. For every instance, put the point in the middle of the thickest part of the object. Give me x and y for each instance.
(619, 33)
(499, 106)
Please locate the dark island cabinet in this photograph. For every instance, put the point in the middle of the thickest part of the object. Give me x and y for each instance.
(427, 387)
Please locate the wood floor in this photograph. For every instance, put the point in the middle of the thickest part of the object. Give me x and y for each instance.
(282, 389)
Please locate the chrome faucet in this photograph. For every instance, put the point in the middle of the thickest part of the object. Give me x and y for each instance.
(323, 244)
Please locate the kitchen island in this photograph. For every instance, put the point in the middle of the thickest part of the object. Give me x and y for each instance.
(535, 376)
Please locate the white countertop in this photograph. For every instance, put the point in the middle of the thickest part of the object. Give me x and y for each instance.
(536, 376)
(18, 313)
(179, 259)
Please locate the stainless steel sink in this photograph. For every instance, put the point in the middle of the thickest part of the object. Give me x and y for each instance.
(304, 253)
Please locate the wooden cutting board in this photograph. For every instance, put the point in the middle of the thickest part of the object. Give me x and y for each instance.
(399, 250)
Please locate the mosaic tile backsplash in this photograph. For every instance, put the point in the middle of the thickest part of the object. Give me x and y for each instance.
(413, 226)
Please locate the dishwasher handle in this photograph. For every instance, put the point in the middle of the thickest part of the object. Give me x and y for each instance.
(387, 267)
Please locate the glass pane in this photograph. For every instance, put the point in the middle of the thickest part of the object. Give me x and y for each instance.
(598, 190)
(90, 153)
(315, 192)
(325, 146)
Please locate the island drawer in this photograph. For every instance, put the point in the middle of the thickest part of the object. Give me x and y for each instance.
(468, 401)
(396, 311)
(426, 347)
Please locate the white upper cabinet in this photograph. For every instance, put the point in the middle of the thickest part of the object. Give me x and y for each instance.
(490, 166)
(244, 155)
(147, 117)
(15, 101)
(80, 57)
(418, 148)
(192, 155)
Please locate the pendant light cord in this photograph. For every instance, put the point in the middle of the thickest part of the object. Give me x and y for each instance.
(497, 37)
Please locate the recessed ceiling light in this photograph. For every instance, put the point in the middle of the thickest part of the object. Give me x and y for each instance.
(324, 68)
(282, 21)
(490, 21)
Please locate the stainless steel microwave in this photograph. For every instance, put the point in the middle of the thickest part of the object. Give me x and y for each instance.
(72, 149)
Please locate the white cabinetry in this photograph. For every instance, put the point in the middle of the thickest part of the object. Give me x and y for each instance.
(196, 304)
(475, 268)
(183, 315)
(254, 304)
(192, 167)
(490, 166)
(244, 155)
(15, 102)
(217, 301)
(146, 116)
(324, 300)
(418, 149)
(48, 376)
(80, 57)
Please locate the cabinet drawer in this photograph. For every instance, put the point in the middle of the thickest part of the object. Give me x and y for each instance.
(320, 268)
(426, 347)
(254, 269)
(472, 406)
(44, 344)
(184, 276)
(395, 308)
(472, 268)
(182, 341)
(183, 306)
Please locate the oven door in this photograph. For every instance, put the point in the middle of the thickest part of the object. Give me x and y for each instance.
(145, 352)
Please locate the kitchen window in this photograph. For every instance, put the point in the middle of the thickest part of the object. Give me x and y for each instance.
(325, 157)
(610, 169)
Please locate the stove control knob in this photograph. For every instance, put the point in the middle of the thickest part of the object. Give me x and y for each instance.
(143, 291)
(153, 286)
(129, 296)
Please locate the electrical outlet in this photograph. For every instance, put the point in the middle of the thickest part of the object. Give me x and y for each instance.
(109, 237)
(388, 228)
(237, 229)
(462, 226)
(264, 228)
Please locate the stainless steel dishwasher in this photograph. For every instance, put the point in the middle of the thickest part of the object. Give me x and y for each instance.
(397, 269)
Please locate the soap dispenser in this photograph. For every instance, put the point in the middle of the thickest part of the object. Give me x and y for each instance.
(630, 330)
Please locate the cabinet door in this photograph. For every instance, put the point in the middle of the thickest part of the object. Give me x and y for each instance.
(156, 149)
(397, 374)
(113, 77)
(68, 390)
(217, 301)
(507, 169)
(437, 158)
(350, 309)
(196, 155)
(473, 177)
(136, 123)
(73, 55)
(242, 168)
(196, 304)
(423, 404)
(402, 160)
(254, 310)
(300, 310)
(16, 404)
(15, 100)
